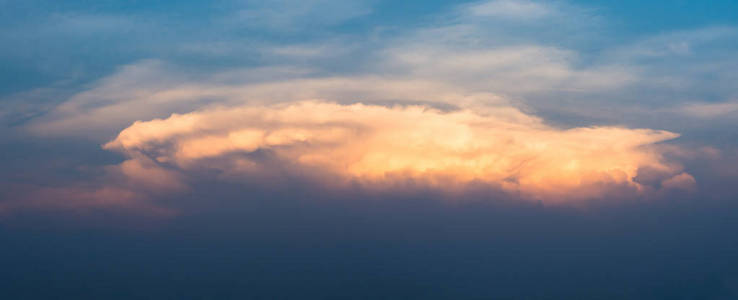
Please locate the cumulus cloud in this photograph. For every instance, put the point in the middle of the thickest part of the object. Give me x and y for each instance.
(377, 146)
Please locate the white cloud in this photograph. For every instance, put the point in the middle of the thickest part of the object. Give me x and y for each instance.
(516, 70)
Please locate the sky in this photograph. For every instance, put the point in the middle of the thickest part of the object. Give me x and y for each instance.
(324, 149)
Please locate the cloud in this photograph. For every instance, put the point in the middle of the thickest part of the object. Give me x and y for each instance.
(518, 70)
(470, 78)
(82, 199)
(709, 110)
(451, 59)
(378, 146)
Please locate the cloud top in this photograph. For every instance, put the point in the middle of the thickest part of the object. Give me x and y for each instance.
(377, 146)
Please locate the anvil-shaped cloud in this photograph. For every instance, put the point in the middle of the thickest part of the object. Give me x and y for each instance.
(377, 146)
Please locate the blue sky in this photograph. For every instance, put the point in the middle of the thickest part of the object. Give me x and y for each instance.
(310, 130)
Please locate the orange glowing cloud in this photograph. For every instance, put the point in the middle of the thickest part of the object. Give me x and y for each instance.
(375, 145)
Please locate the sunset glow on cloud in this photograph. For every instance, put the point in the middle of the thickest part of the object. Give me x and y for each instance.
(376, 145)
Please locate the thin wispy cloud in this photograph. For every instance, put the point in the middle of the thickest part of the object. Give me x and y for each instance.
(710, 110)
